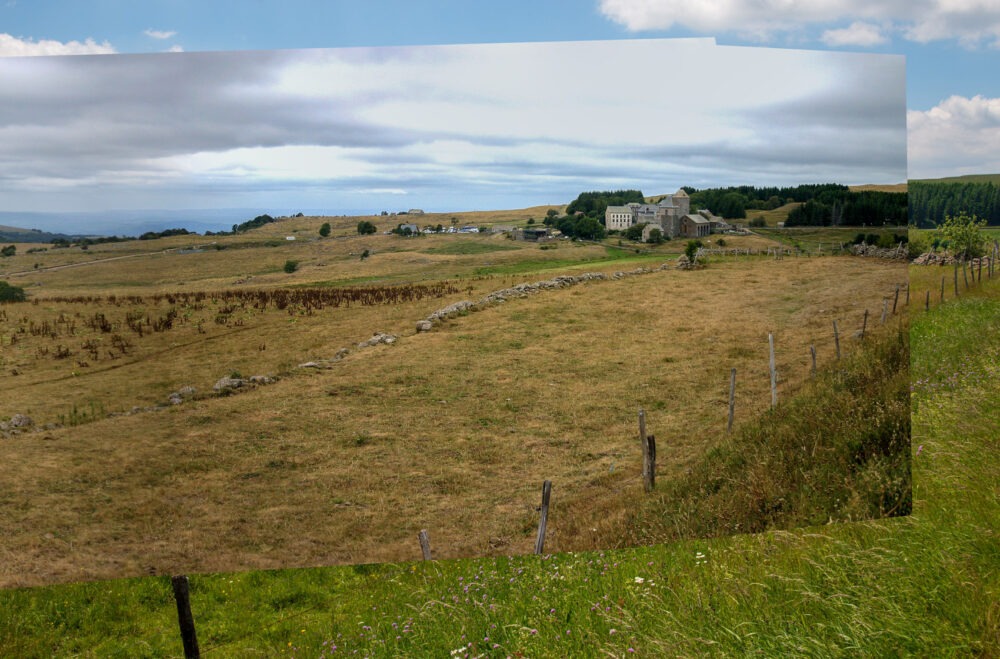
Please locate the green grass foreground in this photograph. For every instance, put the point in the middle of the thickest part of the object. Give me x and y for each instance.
(924, 585)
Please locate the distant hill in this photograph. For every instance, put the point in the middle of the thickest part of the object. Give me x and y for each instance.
(968, 178)
(869, 187)
(10, 234)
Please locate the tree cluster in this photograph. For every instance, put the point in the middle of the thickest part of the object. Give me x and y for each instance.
(366, 228)
(153, 235)
(594, 204)
(848, 208)
(580, 227)
(930, 203)
(255, 223)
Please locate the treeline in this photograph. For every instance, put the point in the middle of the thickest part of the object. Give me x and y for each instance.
(734, 202)
(594, 204)
(931, 202)
(869, 208)
(582, 227)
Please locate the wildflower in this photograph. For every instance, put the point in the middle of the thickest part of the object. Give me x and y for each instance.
(639, 580)
(613, 631)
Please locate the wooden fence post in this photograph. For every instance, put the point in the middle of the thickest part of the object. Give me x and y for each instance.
(836, 338)
(774, 373)
(895, 300)
(942, 289)
(907, 302)
(965, 274)
(642, 443)
(546, 493)
(425, 544)
(732, 399)
(980, 269)
(927, 302)
(649, 455)
(182, 594)
(812, 352)
(864, 324)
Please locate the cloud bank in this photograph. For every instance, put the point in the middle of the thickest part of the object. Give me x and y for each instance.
(11, 46)
(958, 136)
(439, 127)
(970, 22)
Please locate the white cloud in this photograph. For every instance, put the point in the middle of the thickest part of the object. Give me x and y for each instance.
(159, 34)
(958, 136)
(971, 22)
(175, 49)
(857, 34)
(11, 46)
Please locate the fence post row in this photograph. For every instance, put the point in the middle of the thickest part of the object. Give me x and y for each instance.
(546, 494)
(182, 594)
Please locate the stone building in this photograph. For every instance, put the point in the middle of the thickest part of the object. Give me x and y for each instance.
(672, 216)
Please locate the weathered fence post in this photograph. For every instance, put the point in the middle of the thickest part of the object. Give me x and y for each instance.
(642, 442)
(774, 373)
(812, 352)
(836, 338)
(942, 289)
(425, 544)
(927, 302)
(895, 300)
(885, 310)
(864, 324)
(980, 269)
(546, 493)
(182, 594)
(907, 302)
(965, 274)
(956, 278)
(732, 399)
(649, 455)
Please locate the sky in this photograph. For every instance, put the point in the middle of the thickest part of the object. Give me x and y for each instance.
(827, 75)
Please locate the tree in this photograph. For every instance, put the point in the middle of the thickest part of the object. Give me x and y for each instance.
(10, 293)
(692, 249)
(551, 213)
(964, 234)
(291, 266)
(324, 230)
(634, 232)
(655, 236)
(9, 250)
(365, 228)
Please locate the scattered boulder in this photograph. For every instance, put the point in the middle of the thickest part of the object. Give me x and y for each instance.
(229, 384)
(175, 399)
(262, 379)
(186, 392)
(424, 325)
(314, 365)
(377, 338)
(17, 422)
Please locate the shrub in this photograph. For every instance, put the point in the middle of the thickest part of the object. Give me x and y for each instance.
(10, 293)
(291, 266)
(366, 228)
(324, 230)
(9, 250)
(758, 221)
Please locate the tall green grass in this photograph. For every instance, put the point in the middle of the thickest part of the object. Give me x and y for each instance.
(839, 450)
(923, 585)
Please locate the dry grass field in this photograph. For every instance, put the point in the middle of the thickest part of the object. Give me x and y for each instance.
(453, 430)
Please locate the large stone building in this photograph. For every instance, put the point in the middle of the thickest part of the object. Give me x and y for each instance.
(672, 216)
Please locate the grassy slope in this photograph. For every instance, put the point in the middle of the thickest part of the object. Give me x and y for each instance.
(968, 178)
(924, 585)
